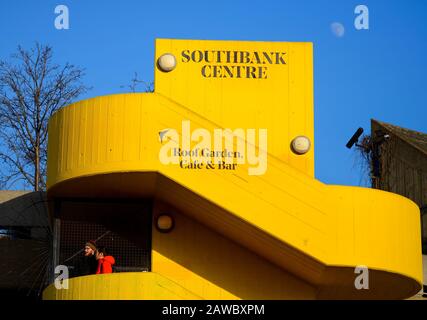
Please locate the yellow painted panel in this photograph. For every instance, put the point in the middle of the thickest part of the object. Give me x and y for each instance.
(281, 100)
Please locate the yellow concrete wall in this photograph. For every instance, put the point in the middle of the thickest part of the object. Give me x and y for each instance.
(214, 267)
(120, 286)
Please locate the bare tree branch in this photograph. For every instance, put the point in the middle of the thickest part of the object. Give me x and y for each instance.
(31, 90)
(135, 82)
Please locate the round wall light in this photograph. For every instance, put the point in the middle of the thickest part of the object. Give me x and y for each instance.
(166, 62)
(165, 223)
(300, 145)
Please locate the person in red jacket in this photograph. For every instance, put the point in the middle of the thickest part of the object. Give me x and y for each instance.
(105, 262)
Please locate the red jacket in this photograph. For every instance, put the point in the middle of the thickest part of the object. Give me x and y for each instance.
(105, 265)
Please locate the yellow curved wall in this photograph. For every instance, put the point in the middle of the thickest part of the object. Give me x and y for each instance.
(341, 226)
(283, 222)
(120, 286)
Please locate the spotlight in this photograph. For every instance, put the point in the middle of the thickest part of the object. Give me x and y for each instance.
(166, 62)
(300, 145)
(165, 223)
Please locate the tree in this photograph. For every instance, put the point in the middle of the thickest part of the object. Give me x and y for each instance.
(31, 90)
(134, 82)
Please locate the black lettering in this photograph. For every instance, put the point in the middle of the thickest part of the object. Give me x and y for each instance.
(251, 72)
(238, 69)
(228, 53)
(279, 58)
(199, 58)
(262, 72)
(235, 56)
(267, 57)
(204, 71)
(207, 56)
(227, 71)
(210, 166)
(185, 55)
(258, 60)
(216, 72)
(244, 57)
(218, 56)
(226, 166)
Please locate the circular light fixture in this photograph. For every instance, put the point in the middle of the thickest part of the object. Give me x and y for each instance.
(166, 62)
(300, 145)
(165, 223)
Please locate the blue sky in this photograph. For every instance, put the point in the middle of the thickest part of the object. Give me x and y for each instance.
(377, 73)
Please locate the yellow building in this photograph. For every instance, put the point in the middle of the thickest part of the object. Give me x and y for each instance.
(212, 177)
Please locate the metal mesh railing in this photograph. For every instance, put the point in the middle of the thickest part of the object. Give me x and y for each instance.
(128, 255)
